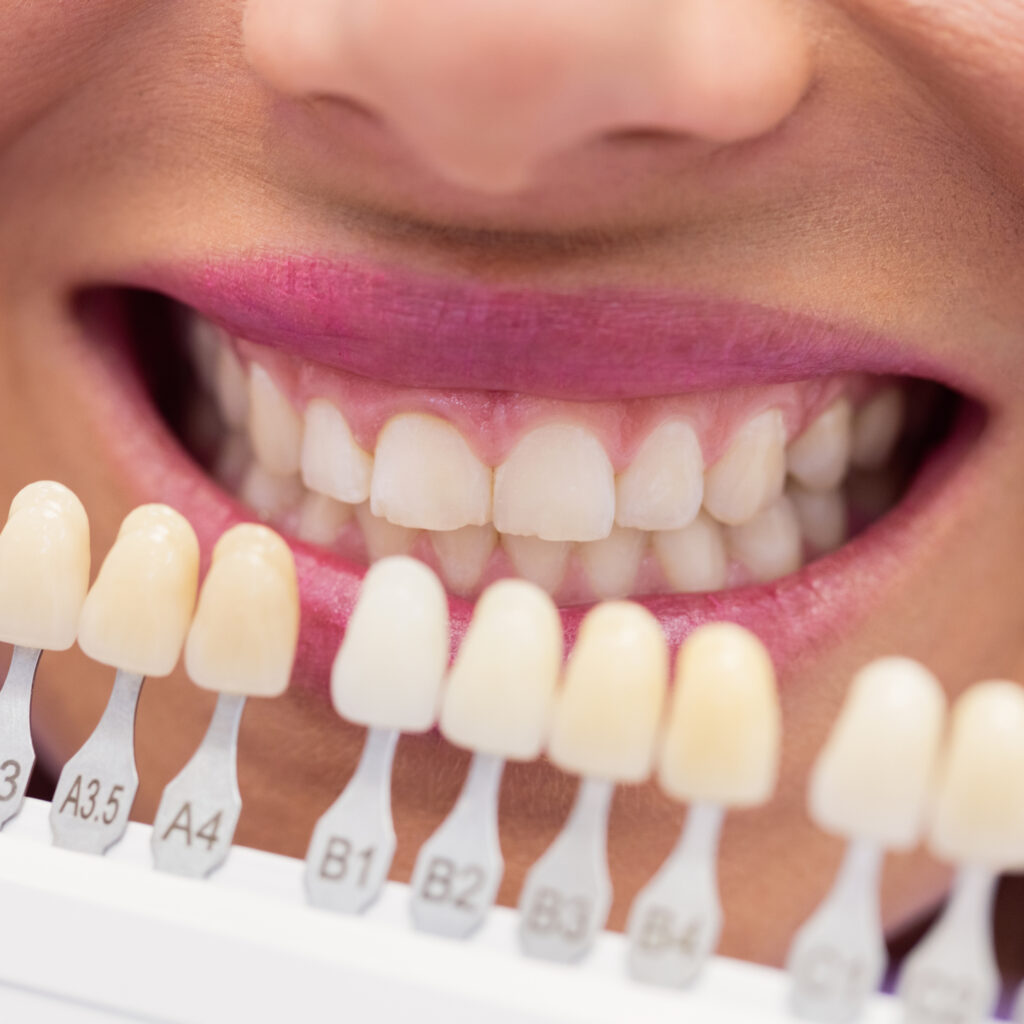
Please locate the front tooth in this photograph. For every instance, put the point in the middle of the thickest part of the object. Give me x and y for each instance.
(268, 495)
(541, 561)
(611, 564)
(232, 388)
(500, 689)
(332, 462)
(820, 456)
(693, 559)
(382, 538)
(44, 567)
(750, 475)
(822, 517)
(769, 545)
(662, 488)
(978, 815)
(138, 611)
(321, 519)
(389, 668)
(426, 476)
(246, 626)
(274, 426)
(876, 426)
(721, 745)
(872, 779)
(557, 484)
(463, 555)
(607, 715)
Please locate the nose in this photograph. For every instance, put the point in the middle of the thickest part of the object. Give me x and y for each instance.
(484, 92)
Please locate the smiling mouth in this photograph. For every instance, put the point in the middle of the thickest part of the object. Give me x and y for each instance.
(731, 487)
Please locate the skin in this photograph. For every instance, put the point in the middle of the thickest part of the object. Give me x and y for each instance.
(859, 160)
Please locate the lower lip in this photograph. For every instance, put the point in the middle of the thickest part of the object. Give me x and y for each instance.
(806, 611)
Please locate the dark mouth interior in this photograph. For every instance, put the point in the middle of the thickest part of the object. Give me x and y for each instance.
(156, 329)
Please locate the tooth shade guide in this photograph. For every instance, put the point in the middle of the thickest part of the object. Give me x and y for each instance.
(975, 823)
(719, 749)
(870, 784)
(44, 576)
(619, 659)
(497, 703)
(386, 675)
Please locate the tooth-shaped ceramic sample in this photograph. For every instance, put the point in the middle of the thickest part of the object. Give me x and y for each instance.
(607, 714)
(392, 660)
(722, 742)
(275, 428)
(44, 567)
(270, 496)
(499, 694)
(463, 555)
(246, 627)
(822, 517)
(138, 611)
(876, 426)
(873, 777)
(425, 476)
(541, 561)
(321, 519)
(770, 544)
(611, 564)
(663, 486)
(557, 484)
(332, 462)
(750, 474)
(383, 539)
(693, 559)
(820, 456)
(978, 813)
(232, 388)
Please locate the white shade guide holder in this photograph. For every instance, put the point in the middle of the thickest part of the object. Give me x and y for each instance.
(244, 945)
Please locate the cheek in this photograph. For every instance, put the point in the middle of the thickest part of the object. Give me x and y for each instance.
(969, 54)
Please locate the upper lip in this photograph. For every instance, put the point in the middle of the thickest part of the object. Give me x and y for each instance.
(416, 330)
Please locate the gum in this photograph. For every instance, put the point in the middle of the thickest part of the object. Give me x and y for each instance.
(491, 422)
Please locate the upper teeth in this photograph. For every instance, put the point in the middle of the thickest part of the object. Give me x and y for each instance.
(556, 485)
